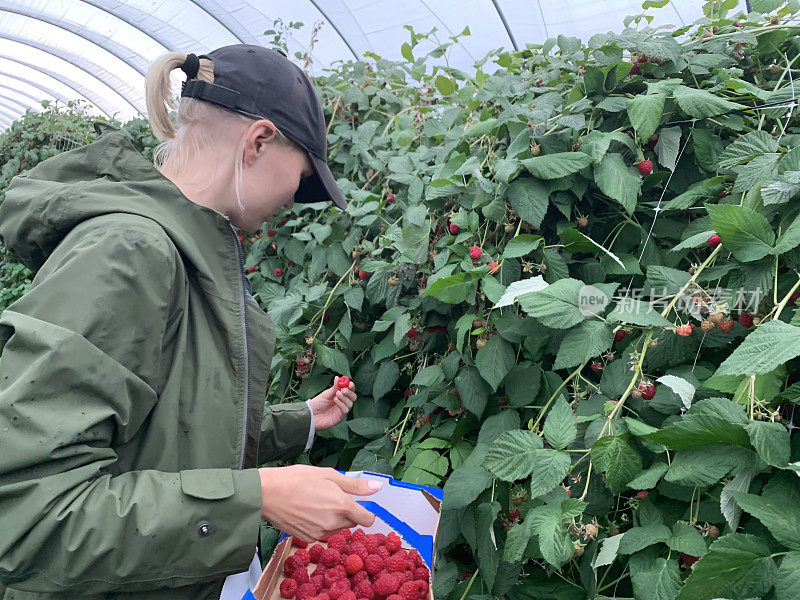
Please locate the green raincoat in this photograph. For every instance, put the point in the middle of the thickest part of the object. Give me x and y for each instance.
(132, 380)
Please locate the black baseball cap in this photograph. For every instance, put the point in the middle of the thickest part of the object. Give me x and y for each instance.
(263, 83)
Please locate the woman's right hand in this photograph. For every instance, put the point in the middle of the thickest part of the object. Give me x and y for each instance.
(312, 502)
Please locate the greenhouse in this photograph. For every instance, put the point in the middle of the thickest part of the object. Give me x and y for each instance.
(337, 300)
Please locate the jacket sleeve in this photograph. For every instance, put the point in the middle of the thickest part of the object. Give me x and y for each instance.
(286, 430)
(78, 373)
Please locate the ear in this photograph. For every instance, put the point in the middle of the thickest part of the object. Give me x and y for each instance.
(260, 134)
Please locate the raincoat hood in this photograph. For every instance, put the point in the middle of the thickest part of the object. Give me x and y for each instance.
(43, 205)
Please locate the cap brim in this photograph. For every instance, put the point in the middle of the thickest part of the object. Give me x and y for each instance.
(319, 187)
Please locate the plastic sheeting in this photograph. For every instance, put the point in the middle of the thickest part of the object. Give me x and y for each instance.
(98, 51)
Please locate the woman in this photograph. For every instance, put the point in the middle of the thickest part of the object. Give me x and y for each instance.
(132, 373)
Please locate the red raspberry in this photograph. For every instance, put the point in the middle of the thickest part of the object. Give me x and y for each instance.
(714, 241)
(337, 541)
(353, 564)
(383, 552)
(288, 588)
(305, 591)
(359, 577)
(251, 270)
(381, 538)
(291, 564)
(642, 495)
(330, 557)
(304, 556)
(372, 542)
(493, 266)
(301, 576)
(746, 320)
(362, 274)
(319, 582)
(454, 229)
(342, 383)
(360, 550)
(726, 326)
(393, 542)
(348, 595)
(407, 575)
(475, 252)
(409, 564)
(646, 167)
(422, 588)
(322, 596)
(373, 564)
(386, 585)
(635, 70)
(793, 298)
(395, 563)
(421, 573)
(620, 335)
(395, 597)
(271, 232)
(359, 535)
(390, 198)
(648, 389)
(278, 272)
(417, 558)
(282, 222)
(339, 572)
(348, 535)
(320, 570)
(299, 543)
(569, 493)
(688, 559)
(338, 588)
(409, 590)
(364, 590)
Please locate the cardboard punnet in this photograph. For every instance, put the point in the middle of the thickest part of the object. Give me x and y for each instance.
(411, 511)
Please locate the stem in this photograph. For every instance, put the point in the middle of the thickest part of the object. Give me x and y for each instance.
(330, 295)
(783, 302)
(400, 435)
(558, 389)
(469, 585)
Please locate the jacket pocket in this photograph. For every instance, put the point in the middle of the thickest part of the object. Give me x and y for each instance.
(207, 484)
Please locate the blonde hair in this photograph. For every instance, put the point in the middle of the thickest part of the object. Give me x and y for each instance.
(198, 121)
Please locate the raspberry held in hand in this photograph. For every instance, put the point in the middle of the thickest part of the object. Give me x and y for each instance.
(343, 383)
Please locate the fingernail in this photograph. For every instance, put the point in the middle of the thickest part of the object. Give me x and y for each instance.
(374, 484)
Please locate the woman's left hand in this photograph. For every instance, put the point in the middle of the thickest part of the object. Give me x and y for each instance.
(332, 405)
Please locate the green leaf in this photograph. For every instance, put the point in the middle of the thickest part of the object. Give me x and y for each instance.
(737, 566)
(649, 478)
(686, 538)
(668, 146)
(745, 232)
(789, 239)
(454, 289)
(549, 467)
(517, 540)
(654, 578)
(464, 485)
(510, 457)
(369, 427)
(614, 455)
(637, 312)
(608, 551)
(746, 148)
(560, 164)
(495, 360)
(576, 241)
(405, 50)
(787, 582)
(387, 376)
(780, 517)
(700, 430)
(428, 468)
(590, 338)
(522, 245)
(554, 541)
(644, 111)
(727, 505)
(487, 555)
(445, 85)
(702, 103)
(559, 304)
(771, 441)
(702, 466)
(773, 343)
(332, 359)
(616, 180)
(473, 390)
(638, 538)
(529, 200)
(480, 128)
(559, 426)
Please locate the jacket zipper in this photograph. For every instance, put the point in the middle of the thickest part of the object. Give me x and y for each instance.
(246, 411)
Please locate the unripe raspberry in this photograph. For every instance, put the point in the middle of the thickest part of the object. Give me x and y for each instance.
(713, 532)
(707, 325)
(684, 330)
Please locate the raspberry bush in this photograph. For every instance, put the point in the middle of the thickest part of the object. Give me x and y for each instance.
(632, 439)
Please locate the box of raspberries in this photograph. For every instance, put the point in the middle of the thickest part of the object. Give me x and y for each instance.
(391, 560)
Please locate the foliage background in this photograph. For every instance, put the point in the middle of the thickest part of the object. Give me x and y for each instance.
(561, 480)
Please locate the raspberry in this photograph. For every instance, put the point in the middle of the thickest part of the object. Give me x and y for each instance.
(315, 552)
(278, 272)
(383, 551)
(406, 576)
(360, 550)
(288, 588)
(337, 541)
(409, 590)
(596, 366)
(353, 564)
(282, 222)
(305, 591)
(304, 556)
(422, 588)
(342, 383)
(707, 325)
(714, 241)
(395, 597)
(347, 534)
(372, 542)
(454, 229)
(395, 563)
(417, 558)
(393, 542)
(475, 252)
(684, 330)
(359, 535)
(271, 232)
(642, 495)
(793, 298)
(330, 557)
(493, 266)
(337, 572)
(746, 320)
(373, 564)
(359, 577)
(251, 270)
(386, 585)
(291, 564)
(299, 543)
(322, 596)
(635, 70)
(646, 167)
(364, 590)
(421, 573)
(338, 588)
(390, 198)
(348, 595)
(619, 335)
(301, 576)
(319, 582)
(362, 274)
(320, 570)
(648, 389)
(726, 326)
(688, 559)
(409, 564)
(381, 539)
